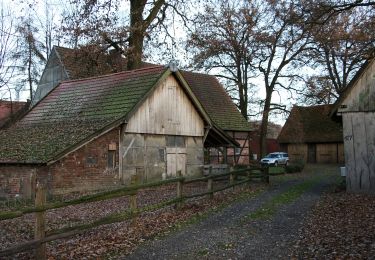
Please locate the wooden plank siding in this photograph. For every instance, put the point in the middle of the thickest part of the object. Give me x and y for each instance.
(167, 110)
(324, 153)
(362, 95)
(164, 135)
(359, 138)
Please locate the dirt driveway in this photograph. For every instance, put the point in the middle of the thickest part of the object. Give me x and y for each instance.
(263, 227)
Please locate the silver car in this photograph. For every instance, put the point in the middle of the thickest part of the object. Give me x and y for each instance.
(275, 159)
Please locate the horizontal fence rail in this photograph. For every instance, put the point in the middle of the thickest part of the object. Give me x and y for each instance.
(42, 237)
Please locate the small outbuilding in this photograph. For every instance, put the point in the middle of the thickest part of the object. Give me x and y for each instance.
(311, 135)
(357, 108)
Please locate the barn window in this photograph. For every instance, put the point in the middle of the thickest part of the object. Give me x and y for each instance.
(175, 141)
(111, 158)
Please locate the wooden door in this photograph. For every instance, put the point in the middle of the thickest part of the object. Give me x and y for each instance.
(311, 153)
(176, 161)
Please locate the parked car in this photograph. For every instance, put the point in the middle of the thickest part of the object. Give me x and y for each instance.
(275, 159)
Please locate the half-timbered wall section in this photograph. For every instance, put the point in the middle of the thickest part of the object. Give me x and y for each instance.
(164, 135)
(358, 114)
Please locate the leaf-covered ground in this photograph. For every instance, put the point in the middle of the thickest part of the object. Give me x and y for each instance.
(341, 226)
(108, 240)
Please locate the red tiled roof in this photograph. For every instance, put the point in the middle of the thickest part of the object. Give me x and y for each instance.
(311, 125)
(216, 101)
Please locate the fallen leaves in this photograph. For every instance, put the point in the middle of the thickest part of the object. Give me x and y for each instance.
(109, 241)
(341, 226)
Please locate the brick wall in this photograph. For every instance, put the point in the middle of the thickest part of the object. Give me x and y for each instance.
(17, 181)
(87, 168)
(83, 170)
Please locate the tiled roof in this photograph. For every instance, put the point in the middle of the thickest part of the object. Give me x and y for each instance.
(206, 88)
(311, 125)
(73, 111)
(215, 100)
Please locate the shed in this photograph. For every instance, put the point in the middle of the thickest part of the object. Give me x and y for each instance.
(357, 108)
(311, 135)
(65, 63)
(97, 132)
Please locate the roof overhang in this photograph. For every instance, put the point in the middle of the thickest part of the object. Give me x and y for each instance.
(218, 138)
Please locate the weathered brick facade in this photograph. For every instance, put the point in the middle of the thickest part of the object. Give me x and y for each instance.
(87, 168)
(82, 170)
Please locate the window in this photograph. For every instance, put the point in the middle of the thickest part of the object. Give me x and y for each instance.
(175, 141)
(111, 159)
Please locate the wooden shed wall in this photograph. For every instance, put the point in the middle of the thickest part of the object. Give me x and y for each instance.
(322, 153)
(52, 75)
(362, 95)
(297, 152)
(359, 145)
(167, 110)
(164, 135)
(330, 153)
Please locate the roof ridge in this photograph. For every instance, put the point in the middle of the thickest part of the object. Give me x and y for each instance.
(113, 74)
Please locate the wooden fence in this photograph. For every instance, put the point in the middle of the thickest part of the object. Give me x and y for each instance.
(41, 238)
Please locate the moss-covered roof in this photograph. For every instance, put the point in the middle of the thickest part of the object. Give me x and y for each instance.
(74, 111)
(311, 125)
(206, 88)
(215, 100)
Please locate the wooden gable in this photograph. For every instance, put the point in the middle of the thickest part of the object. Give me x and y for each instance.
(361, 96)
(167, 110)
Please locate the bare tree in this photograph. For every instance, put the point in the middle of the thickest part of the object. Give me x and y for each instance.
(342, 44)
(100, 22)
(223, 38)
(29, 54)
(8, 44)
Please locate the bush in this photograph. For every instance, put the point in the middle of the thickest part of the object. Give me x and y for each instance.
(295, 167)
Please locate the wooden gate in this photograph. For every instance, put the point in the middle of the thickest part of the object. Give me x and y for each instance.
(176, 161)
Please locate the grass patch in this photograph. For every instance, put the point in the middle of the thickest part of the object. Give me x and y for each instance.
(203, 252)
(276, 170)
(270, 208)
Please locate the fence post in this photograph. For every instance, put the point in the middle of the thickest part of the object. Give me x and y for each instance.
(40, 221)
(231, 176)
(133, 197)
(248, 175)
(266, 175)
(210, 184)
(180, 186)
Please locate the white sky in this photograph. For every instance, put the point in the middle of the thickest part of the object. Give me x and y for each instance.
(54, 8)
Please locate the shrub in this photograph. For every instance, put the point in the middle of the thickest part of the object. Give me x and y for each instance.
(295, 167)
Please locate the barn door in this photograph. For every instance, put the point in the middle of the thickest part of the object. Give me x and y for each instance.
(176, 161)
(311, 153)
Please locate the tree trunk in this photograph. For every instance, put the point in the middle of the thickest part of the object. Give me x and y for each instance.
(136, 34)
(29, 74)
(264, 124)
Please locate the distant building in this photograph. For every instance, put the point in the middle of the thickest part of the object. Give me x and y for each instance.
(11, 111)
(312, 136)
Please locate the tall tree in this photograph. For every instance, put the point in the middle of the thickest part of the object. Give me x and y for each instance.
(100, 22)
(29, 54)
(343, 42)
(282, 41)
(8, 44)
(223, 38)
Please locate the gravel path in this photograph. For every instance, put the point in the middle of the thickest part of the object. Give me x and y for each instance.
(231, 234)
